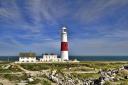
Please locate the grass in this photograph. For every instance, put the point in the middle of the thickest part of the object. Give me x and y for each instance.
(12, 68)
(103, 65)
(85, 75)
(120, 82)
(10, 77)
(81, 68)
(61, 67)
(108, 83)
(124, 82)
(122, 73)
(84, 65)
(45, 66)
(5, 62)
(35, 67)
(13, 77)
(45, 82)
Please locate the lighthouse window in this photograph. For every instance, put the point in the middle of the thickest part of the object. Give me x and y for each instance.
(64, 30)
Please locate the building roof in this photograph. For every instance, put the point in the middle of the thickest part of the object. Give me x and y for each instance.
(49, 54)
(27, 54)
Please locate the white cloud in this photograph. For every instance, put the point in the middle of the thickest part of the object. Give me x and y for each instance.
(46, 11)
(9, 46)
(95, 10)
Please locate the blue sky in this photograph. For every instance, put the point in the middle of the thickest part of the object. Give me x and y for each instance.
(95, 27)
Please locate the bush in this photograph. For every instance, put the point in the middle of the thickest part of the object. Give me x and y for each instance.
(14, 68)
(10, 77)
(85, 75)
(124, 83)
(1, 83)
(107, 83)
(123, 73)
(35, 67)
(45, 82)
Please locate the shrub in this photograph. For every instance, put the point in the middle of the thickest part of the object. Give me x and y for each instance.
(124, 83)
(45, 82)
(107, 83)
(85, 75)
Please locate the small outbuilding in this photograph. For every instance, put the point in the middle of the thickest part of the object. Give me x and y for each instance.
(28, 57)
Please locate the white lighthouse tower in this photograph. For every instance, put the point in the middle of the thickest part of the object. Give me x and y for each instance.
(64, 44)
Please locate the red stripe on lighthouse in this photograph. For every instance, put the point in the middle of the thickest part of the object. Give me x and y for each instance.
(64, 46)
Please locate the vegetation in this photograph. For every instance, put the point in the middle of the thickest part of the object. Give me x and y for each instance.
(9, 76)
(124, 83)
(34, 82)
(4, 62)
(108, 83)
(35, 67)
(74, 68)
(45, 82)
(104, 65)
(1, 83)
(6, 68)
(5, 71)
(81, 68)
(12, 77)
(85, 75)
(85, 66)
(14, 68)
(123, 73)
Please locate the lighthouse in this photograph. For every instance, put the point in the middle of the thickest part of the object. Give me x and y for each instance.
(64, 44)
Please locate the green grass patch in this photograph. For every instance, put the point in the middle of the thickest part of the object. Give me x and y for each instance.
(13, 77)
(11, 68)
(85, 75)
(94, 65)
(45, 82)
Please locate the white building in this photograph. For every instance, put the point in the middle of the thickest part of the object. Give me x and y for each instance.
(27, 57)
(50, 58)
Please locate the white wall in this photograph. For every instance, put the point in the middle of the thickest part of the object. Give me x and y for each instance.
(27, 59)
(48, 58)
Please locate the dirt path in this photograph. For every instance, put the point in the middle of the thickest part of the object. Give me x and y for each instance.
(16, 73)
(33, 73)
(80, 71)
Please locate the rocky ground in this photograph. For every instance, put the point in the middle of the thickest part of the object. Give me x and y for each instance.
(83, 73)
